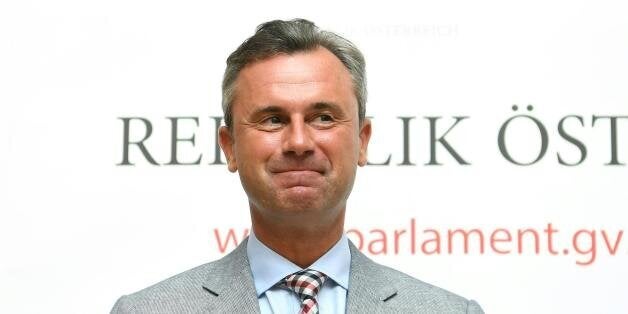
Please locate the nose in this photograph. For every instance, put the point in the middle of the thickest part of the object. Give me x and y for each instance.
(297, 139)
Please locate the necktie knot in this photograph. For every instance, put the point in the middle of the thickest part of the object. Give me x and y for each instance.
(306, 284)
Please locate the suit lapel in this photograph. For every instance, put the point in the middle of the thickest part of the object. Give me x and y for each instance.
(369, 289)
(230, 284)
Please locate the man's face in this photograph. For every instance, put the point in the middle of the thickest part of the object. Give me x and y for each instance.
(296, 138)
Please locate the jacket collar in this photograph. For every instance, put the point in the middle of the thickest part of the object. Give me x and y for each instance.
(369, 287)
(230, 281)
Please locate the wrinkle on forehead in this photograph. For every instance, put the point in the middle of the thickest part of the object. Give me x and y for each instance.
(290, 83)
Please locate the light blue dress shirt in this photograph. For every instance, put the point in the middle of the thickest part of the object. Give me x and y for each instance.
(269, 267)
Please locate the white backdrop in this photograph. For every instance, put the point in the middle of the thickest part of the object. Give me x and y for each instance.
(77, 230)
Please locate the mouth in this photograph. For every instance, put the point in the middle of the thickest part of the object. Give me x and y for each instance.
(298, 178)
(303, 171)
(296, 170)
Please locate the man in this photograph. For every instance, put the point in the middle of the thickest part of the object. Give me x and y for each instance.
(294, 104)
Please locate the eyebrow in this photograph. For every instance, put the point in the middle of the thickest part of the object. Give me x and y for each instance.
(267, 109)
(320, 105)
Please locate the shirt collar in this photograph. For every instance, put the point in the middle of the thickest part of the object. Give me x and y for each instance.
(268, 267)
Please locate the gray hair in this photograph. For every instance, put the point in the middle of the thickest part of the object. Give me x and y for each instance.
(276, 37)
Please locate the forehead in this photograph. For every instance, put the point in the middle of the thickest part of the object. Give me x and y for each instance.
(309, 76)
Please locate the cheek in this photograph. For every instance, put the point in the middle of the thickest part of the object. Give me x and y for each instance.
(340, 147)
(253, 149)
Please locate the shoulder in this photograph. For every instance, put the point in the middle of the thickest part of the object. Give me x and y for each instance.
(413, 293)
(178, 293)
(400, 292)
(186, 292)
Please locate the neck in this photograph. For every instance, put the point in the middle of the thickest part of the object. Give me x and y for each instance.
(298, 244)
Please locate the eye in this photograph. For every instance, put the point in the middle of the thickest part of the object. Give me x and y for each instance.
(271, 122)
(324, 119)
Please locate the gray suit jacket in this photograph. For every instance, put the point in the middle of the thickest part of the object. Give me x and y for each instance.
(226, 286)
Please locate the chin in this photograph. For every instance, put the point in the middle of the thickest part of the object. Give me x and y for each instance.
(302, 202)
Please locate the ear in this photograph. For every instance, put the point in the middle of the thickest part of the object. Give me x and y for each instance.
(225, 139)
(365, 136)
